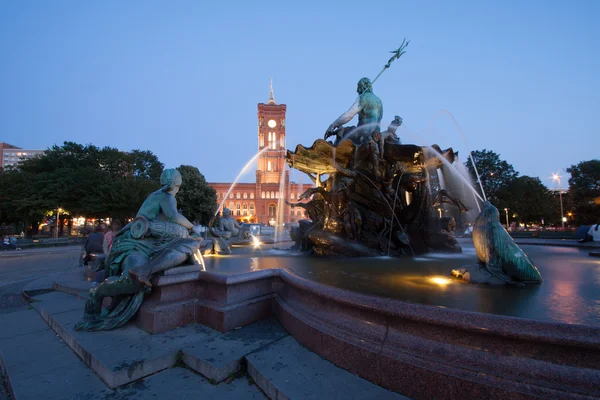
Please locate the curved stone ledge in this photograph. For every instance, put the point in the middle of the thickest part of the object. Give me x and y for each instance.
(421, 351)
(430, 352)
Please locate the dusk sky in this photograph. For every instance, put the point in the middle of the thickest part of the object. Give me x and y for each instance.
(183, 78)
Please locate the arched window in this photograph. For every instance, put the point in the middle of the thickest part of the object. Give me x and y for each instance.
(272, 195)
(231, 195)
(237, 195)
(263, 195)
(269, 166)
(272, 208)
(251, 195)
(238, 209)
(276, 195)
(245, 209)
(292, 195)
(251, 208)
(292, 213)
(298, 212)
(268, 195)
(282, 140)
(245, 195)
(231, 206)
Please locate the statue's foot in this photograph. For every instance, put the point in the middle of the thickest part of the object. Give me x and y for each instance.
(141, 275)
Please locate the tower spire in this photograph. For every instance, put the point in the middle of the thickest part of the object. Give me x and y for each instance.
(271, 95)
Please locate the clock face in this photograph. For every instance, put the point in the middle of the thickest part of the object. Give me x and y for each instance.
(272, 123)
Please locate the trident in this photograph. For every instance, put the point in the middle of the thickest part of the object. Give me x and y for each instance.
(397, 53)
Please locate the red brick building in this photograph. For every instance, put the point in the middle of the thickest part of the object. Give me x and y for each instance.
(264, 200)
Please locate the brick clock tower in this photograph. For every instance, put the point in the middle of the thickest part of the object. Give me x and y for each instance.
(271, 163)
(264, 200)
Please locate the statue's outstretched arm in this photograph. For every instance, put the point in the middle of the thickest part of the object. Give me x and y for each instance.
(347, 116)
(168, 206)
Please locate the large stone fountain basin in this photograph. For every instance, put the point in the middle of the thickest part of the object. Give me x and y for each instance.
(422, 351)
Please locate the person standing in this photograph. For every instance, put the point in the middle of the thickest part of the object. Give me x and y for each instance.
(110, 234)
(93, 243)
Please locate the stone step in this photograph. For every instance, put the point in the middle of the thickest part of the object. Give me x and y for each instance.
(286, 370)
(122, 355)
(182, 384)
(219, 357)
(37, 364)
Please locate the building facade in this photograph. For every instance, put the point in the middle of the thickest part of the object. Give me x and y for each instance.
(10, 155)
(265, 200)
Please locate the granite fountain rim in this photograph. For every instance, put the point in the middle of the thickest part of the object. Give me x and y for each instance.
(550, 332)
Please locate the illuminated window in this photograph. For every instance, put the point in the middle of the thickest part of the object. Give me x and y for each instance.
(263, 195)
(292, 213)
(292, 195)
(276, 195)
(251, 195)
(252, 208)
(272, 209)
(282, 140)
(231, 195)
(237, 195)
(268, 195)
(298, 212)
(245, 209)
(231, 205)
(272, 195)
(269, 166)
(238, 209)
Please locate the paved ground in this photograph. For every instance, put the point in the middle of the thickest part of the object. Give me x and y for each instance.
(18, 268)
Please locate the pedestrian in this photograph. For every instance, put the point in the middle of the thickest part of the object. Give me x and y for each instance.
(110, 235)
(93, 243)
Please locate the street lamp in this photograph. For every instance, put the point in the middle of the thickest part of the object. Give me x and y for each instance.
(58, 210)
(556, 178)
(506, 210)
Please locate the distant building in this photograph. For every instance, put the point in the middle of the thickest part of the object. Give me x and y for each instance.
(258, 202)
(10, 155)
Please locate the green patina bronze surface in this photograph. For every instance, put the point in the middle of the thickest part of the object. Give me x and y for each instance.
(497, 251)
(158, 239)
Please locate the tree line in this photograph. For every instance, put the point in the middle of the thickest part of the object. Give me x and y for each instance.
(93, 182)
(529, 201)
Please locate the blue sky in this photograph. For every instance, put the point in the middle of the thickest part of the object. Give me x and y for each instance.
(183, 78)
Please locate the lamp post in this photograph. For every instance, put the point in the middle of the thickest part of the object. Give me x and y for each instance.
(506, 210)
(556, 177)
(58, 210)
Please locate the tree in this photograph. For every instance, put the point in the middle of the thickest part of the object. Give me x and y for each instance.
(83, 179)
(529, 199)
(197, 200)
(584, 190)
(495, 173)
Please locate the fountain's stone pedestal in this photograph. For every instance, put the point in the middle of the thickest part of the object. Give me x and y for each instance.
(421, 351)
(220, 301)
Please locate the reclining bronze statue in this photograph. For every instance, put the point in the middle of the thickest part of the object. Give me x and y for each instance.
(159, 238)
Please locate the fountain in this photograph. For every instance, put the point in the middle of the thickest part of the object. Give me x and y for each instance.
(387, 307)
